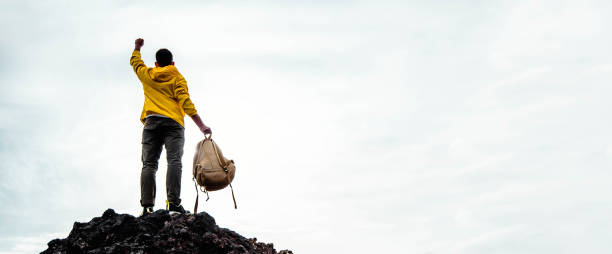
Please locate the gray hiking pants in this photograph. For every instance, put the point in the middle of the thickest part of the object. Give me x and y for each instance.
(157, 132)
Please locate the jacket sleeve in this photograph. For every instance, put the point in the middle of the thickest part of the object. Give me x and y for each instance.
(139, 66)
(181, 94)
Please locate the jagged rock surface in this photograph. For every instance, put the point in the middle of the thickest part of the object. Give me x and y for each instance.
(158, 232)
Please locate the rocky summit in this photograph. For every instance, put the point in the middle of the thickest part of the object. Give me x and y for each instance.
(159, 232)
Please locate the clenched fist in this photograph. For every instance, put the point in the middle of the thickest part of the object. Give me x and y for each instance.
(138, 43)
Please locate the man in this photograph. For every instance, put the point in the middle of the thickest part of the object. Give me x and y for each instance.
(166, 103)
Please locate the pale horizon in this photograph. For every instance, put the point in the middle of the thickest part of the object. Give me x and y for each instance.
(356, 126)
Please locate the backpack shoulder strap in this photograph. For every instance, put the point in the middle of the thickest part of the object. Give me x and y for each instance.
(231, 188)
(223, 164)
(195, 207)
(219, 155)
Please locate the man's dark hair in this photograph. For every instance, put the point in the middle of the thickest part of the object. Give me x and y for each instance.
(163, 57)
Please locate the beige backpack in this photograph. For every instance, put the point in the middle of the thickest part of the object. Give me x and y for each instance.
(211, 171)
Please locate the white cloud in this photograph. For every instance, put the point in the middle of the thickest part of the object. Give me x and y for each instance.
(356, 127)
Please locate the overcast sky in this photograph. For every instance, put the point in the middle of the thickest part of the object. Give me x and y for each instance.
(356, 126)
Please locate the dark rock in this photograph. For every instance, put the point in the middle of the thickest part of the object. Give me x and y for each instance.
(158, 232)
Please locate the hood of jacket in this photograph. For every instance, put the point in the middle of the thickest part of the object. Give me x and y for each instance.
(164, 74)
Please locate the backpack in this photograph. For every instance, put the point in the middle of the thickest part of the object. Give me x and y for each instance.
(211, 171)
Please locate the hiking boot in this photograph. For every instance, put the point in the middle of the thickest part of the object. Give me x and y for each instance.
(172, 208)
(147, 210)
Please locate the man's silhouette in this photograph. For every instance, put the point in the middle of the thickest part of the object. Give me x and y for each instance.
(166, 103)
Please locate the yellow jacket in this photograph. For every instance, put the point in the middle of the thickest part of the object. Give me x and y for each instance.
(165, 91)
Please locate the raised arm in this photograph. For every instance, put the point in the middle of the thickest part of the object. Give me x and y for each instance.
(136, 61)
